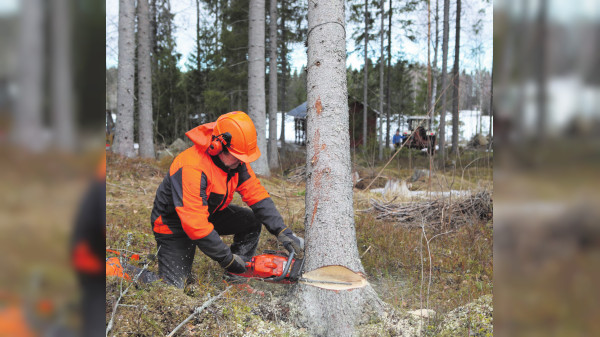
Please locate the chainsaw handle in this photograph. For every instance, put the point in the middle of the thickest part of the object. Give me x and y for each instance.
(286, 269)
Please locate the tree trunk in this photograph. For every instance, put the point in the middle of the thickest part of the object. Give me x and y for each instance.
(366, 76)
(146, 137)
(123, 143)
(256, 81)
(329, 218)
(273, 153)
(435, 57)
(443, 87)
(28, 122)
(284, 71)
(62, 98)
(456, 82)
(491, 109)
(198, 47)
(428, 100)
(389, 70)
(381, 65)
(540, 71)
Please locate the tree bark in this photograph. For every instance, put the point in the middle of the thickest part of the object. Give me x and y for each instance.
(123, 143)
(256, 81)
(284, 71)
(273, 153)
(540, 71)
(381, 65)
(329, 218)
(435, 57)
(428, 103)
(28, 123)
(146, 136)
(389, 68)
(62, 89)
(442, 133)
(491, 109)
(366, 75)
(456, 82)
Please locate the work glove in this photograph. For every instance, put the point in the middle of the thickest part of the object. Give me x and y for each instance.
(291, 241)
(236, 265)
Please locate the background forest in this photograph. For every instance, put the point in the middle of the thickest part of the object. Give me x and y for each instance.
(188, 90)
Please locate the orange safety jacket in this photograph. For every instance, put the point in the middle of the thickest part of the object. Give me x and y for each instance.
(199, 185)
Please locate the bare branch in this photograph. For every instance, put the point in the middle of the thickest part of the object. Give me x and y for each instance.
(112, 316)
(197, 311)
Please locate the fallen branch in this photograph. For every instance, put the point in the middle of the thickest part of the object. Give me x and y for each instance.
(297, 175)
(197, 311)
(432, 212)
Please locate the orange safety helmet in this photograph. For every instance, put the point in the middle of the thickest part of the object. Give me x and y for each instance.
(235, 132)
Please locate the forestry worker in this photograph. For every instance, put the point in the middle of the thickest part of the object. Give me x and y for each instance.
(192, 204)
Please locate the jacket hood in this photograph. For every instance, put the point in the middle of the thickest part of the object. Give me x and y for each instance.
(201, 135)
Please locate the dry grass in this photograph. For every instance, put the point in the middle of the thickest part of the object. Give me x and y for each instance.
(40, 196)
(395, 258)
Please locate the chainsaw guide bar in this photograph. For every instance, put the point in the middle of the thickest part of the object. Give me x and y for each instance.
(278, 267)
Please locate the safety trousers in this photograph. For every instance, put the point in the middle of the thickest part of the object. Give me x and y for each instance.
(176, 252)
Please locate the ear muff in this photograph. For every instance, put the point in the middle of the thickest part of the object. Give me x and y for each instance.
(219, 143)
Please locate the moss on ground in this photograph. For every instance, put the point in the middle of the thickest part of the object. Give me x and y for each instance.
(395, 258)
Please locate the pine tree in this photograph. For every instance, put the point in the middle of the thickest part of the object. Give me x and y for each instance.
(166, 76)
(28, 122)
(435, 58)
(256, 81)
(330, 232)
(366, 73)
(123, 143)
(62, 98)
(456, 82)
(273, 153)
(381, 66)
(443, 86)
(146, 136)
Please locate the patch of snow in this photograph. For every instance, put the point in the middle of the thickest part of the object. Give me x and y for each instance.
(427, 194)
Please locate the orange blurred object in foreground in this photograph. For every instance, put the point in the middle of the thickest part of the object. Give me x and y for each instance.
(13, 321)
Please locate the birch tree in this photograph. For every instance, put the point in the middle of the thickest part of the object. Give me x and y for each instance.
(442, 133)
(123, 143)
(329, 218)
(256, 81)
(456, 81)
(146, 136)
(273, 155)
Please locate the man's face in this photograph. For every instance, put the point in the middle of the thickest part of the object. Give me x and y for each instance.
(229, 160)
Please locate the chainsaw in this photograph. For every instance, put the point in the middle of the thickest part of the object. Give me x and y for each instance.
(279, 267)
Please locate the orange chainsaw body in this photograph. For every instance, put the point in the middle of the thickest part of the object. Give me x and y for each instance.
(270, 265)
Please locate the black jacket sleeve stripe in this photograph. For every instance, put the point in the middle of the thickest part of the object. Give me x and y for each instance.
(266, 212)
(203, 183)
(243, 174)
(177, 187)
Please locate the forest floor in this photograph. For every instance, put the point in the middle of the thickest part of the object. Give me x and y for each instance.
(446, 267)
